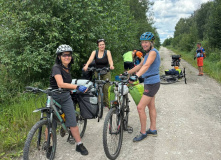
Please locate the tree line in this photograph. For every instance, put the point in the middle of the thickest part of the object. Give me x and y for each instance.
(30, 32)
(202, 26)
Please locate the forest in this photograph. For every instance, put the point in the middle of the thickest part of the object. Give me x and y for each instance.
(30, 32)
(202, 26)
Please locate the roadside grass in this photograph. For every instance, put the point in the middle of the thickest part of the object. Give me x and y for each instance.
(118, 67)
(16, 120)
(212, 66)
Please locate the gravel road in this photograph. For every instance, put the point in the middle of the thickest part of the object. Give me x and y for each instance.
(188, 122)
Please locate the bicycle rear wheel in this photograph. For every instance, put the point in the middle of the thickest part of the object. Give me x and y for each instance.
(112, 134)
(36, 142)
(100, 103)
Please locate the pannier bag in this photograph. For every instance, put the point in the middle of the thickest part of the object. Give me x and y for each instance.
(136, 92)
(83, 82)
(125, 90)
(111, 95)
(87, 101)
(173, 72)
(175, 60)
(88, 105)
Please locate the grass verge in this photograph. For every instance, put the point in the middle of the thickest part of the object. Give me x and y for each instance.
(211, 67)
(15, 122)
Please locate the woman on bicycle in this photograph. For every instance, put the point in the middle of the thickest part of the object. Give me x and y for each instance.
(149, 70)
(61, 78)
(102, 59)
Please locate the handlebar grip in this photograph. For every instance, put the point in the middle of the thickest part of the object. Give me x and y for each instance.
(29, 88)
(123, 77)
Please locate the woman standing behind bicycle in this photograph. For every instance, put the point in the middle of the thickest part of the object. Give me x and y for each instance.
(102, 59)
(61, 78)
(149, 70)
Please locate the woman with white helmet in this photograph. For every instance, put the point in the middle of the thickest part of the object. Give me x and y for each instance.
(149, 70)
(61, 78)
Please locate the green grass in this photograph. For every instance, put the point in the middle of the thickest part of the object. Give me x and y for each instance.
(118, 67)
(212, 67)
(15, 122)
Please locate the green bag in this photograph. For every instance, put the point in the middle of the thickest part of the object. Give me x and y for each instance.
(111, 95)
(136, 92)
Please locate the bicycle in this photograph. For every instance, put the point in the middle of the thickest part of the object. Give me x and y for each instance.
(98, 84)
(41, 141)
(116, 120)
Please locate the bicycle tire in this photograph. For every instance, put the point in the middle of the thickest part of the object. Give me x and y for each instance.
(100, 103)
(126, 106)
(106, 127)
(30, 137)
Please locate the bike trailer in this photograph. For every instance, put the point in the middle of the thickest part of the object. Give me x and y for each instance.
(88, 105)
(136, 92)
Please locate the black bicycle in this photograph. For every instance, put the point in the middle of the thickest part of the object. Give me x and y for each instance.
(41, 141)
(116, 120)
(99, 84)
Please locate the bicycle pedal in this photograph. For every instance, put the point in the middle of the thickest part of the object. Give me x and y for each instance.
(71, 140)
(62, 132)
(129, 129)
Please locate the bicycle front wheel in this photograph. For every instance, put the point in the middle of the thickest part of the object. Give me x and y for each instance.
(36, 143)
(112, 134)
(100, 103)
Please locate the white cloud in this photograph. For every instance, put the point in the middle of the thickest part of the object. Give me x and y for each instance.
(168, 12)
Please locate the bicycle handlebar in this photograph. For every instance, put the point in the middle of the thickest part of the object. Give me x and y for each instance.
(49, 90)
(98, 69)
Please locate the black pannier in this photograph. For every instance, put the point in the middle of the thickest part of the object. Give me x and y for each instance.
(88, 105)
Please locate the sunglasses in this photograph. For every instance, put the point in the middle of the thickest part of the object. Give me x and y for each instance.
(66, 55)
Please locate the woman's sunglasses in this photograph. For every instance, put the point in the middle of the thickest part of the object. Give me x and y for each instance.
(66, 55)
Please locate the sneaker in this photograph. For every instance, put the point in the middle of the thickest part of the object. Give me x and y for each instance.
(80, 148)
(149, 132)
(139, 137)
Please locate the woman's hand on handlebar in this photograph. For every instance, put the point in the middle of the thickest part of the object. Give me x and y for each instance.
(85, 68)
(112, 67)
(133, 78)
(82, 89)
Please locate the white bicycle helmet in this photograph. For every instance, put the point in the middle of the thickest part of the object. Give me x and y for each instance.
(126, 90)
(63, 48)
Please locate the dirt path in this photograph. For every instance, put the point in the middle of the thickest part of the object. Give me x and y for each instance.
(189, 124)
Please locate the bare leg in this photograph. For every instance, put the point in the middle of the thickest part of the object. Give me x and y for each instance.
(201, 70)
(145, 100)
(152, 113)
(75, 133)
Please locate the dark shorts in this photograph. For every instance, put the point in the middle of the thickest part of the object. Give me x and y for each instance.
(128, 65)
(151, 89)
(67, 105)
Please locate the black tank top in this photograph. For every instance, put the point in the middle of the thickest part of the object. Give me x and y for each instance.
(101, 62)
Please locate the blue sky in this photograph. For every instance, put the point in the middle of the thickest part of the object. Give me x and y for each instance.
(168, 12)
